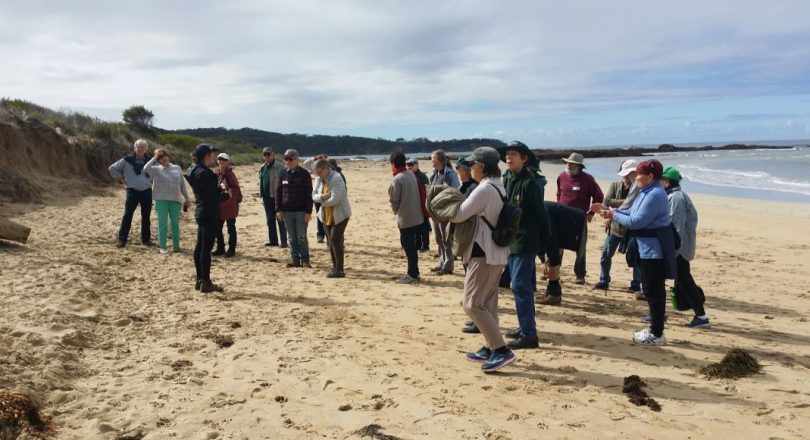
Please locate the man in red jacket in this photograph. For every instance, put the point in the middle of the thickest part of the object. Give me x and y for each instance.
(578, 189)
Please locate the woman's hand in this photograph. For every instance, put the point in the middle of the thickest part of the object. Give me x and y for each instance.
(326, 196)
(608, 214)
(596, 207)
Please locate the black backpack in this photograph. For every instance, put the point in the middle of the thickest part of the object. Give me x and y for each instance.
(505, 231)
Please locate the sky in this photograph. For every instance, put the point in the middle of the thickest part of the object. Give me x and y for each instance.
(548, 73)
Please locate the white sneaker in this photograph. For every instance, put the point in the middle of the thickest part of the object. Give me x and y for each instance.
(646, 337)
(164, 251)
(407, 279)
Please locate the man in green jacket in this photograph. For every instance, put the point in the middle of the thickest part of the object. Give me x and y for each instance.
(268, 182)
(522, 190)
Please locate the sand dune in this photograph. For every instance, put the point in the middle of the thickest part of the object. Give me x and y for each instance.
(116, 342)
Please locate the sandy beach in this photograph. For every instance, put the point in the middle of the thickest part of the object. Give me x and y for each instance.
(115, 342)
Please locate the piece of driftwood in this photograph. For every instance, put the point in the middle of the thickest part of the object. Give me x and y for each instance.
(10, 230)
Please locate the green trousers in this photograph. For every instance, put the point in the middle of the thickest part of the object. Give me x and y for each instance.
(168, 210)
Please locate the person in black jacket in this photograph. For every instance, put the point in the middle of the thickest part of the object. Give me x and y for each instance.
(566, 229)
(208, 196)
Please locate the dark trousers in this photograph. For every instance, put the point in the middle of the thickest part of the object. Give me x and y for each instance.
(423, 238)
(579, 263)
(653, 276)
(334, 236)
(134, 199)
(321, 231)
(686, 285)
(206, 233)
(407, 237)
(270, 213)
(231, 222)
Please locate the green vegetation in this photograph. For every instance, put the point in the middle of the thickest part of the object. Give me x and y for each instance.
(140, 118)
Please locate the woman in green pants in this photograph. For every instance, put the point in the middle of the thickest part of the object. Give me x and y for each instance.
(169, 193)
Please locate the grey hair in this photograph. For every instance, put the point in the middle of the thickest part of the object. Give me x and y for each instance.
(321, 164)
(141, 142)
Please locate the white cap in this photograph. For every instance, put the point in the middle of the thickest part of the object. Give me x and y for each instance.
(224, 156)
(628, 167)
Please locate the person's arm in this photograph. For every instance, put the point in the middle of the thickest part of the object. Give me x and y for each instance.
(394, 196)
(308, 186)
(317, 197)
(233, 185)
(596, 192)
(558, 189)
(452, 179)
(475, 203)
(337, 191)
(148, 168)
(117, 170)
(279, 193)
(638, 219)
(535, 195)
(184, 191)
(677, 212)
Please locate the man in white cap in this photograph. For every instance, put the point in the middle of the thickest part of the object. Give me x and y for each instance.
(615, 197)
(578, 189)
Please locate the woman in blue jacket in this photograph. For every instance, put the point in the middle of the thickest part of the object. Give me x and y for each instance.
(648, 221)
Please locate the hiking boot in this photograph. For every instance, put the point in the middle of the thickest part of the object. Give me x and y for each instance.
(294, 263)
(601, 285)
(482, 355)
(407, 279)
(699, 323)
(121, 244)
(335, 273)
(230, 253)
(197, 285)
(513, 334)
(218, 251)
(549, 300)
(207, 286)
(305, 263)
(470, 328)
(554, 289)
(524, 342)
(580, 280)
(497, 361)
(646, 337)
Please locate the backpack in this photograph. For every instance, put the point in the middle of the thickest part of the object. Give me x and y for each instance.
(506, 229)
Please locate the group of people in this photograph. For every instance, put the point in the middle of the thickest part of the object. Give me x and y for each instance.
(647, 216)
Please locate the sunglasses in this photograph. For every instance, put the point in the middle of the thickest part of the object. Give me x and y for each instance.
(290, 158)
(267, 154)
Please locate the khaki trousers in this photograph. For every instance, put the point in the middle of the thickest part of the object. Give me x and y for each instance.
(480, 300)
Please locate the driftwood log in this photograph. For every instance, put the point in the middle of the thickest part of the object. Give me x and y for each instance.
(10, 230)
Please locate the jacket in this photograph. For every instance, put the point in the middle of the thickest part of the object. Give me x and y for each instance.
(126, 168)
(268, 179)
(405, 199)
(685, 219)
(294, 191)
(229, 209)
(167, 182)
(614, 198)
(447, 176)
(525, 189)
(483, 202)
(339, 201)
(650, 211)
(566, 225)
(443, 204)
(207, 192)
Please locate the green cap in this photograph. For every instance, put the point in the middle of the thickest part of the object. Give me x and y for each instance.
(672, 174)
(463, 162)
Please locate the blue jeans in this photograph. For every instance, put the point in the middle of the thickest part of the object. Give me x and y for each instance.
(608, 251)
(522, 271)
(297, 235)
(270, 213)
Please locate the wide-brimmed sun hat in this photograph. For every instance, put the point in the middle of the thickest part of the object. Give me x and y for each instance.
(575, 158)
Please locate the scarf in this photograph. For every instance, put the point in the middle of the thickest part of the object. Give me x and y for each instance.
(422, 192)
(133, 160)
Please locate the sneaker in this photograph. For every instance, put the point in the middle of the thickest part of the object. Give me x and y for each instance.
(648, 318)
(294, 263)
(444, 272)
(646, 337)
(148, 243)
(284, 245)
(436, 269)
(177, 250)
(407, 279)
(482, 355)
(549, 300)
(270, 243)
(208, 286)
(580, 280)
(634, 289)
(554, 289)
(601, 285)
(198, 284)
(163, 250)
(497, 361)
(334, 273)
(305, 263)
(640, 296)
(121, 244)
(230, 253)
(470, 328)
(524, 342)
(218, 252)
(424, 250)
(513, 334)
(699, 323)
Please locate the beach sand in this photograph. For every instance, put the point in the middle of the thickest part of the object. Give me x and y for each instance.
(116, 341)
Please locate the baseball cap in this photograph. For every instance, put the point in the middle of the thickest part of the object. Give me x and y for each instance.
(484, 155)
(627, 167)
(291, 154)
(223, 156)
(203, 149)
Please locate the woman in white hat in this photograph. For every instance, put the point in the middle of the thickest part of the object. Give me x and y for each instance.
(228, 209)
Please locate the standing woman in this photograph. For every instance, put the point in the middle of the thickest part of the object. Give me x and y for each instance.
(485, 260)
(651, 241)
(209, 195)
(228, 209)
(330, 193)
(169, 192)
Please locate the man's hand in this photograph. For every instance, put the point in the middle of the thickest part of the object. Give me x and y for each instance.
(608, 214)
(307, 218)
(279, 216)
(596, 207)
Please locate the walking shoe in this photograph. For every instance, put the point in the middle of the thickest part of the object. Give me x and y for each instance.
(268, 243)
(284, 245)
(197, 285)
(640, 296)
(294, 263)
(407, 279)
(436, 269)
(305, 263)
(177, 250)
(482, 355)
(554, 289)
(444, 272)
(424, 249)
(148, 243)
(217, 252)
(580, 280)
(634, 289)
(524, 342)
(699, 323)
(121, 244)
(648, 318)
(513, 334)
(230, 253)
(470, 328)
(207, 286)
(163, 250)
(320, 239)
(601, 285)
(549, 300)
(334, 273)
(497, 361)
(646, 337)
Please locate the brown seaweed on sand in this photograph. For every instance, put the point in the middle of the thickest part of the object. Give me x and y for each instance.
(737, 363)
(632, 387)
(20, 415)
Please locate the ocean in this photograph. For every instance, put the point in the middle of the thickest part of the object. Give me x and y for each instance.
(782, 175)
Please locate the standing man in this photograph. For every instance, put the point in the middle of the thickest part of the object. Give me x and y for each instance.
(443, 175)
(294, 206)
(407, 199)
(268, 185)
(579, 189)
(423, 238)
(522, 190)
(128, 171)
(615, 197)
